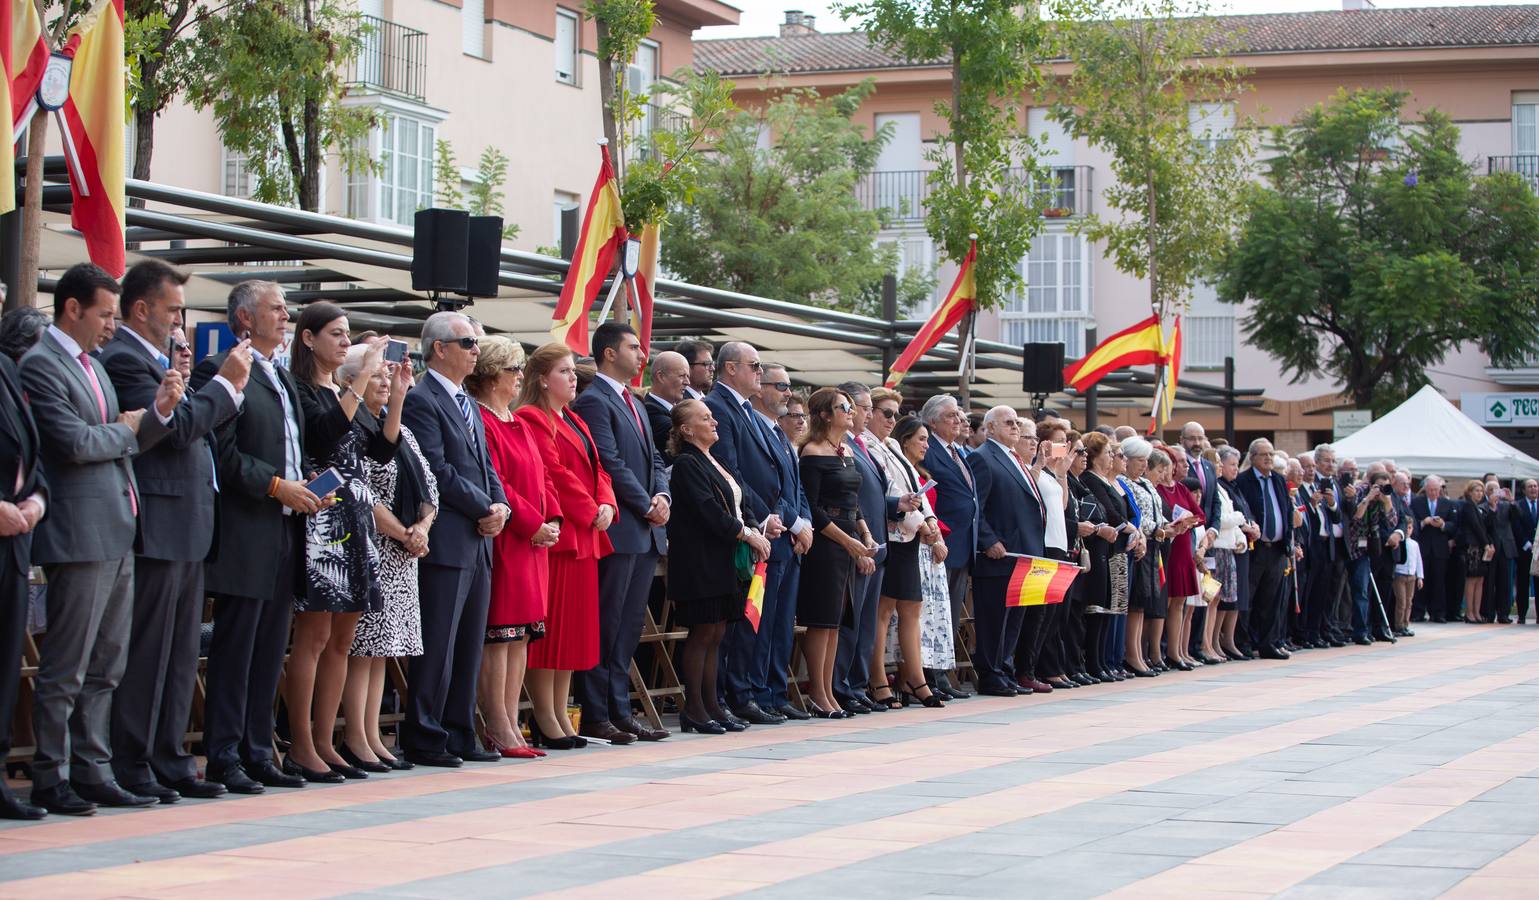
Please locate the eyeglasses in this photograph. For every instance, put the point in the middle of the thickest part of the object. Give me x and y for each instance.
(179, 347)
(887, 413)
(709, 366)
(866, 407)
(1079, 451)
(842, 407)
(800, 417)
(465, 343)
(781, 386)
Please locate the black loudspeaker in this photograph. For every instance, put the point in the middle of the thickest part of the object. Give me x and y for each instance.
(439, 258)
(1042, 368)
(485, 252)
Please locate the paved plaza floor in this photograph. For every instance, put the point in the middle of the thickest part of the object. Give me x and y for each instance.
(1395, 772)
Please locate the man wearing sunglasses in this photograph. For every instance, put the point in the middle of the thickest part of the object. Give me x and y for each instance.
(745, 446)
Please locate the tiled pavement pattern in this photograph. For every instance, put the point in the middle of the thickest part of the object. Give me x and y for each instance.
(1394, 772)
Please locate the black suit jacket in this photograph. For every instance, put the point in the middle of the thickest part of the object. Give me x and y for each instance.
(467, 485)
(1008, 510)
(176, 475)
(18, 453)
(1528, 522)
(1251, 485)
(1209, 494)
(251, 452)
(1503, 529)
(702, 518)
(661, 420)
(1434, 541)
(635, 468)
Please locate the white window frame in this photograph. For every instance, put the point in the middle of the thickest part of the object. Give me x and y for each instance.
(1207, 330)
(1211, 124)
(232, 166)
(572, 52)
(376, 197)
(1055, 305)
(915, 250)
(1525, 123)
(473, 28)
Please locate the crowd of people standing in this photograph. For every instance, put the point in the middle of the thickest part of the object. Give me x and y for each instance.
(498, 522)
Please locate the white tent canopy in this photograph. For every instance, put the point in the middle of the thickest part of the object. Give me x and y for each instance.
(1430, 436)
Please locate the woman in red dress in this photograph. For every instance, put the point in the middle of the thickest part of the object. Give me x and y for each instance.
(587, 503)
(1181, 574)
(520, 568)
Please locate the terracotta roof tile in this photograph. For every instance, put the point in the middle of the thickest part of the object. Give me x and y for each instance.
(1370, 29)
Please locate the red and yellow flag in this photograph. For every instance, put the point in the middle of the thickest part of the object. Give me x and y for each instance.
(754, 609)
(1037, 581)
(23, 56)
(1165, 397)
(646, 275)
(962, 299)
(602, 236)
(93, 133)
(1136, 345)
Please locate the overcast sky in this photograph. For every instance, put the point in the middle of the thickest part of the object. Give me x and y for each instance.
(765, 16)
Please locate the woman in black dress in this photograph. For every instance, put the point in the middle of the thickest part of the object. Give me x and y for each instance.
(341, 550)
(710, 592)
(841, 542)
(1475, 546)
(1106, 597)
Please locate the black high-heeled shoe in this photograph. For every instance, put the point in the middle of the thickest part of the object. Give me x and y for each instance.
(891, 701)
(537, 738)
(709, 726)
(929, 700)
(819, 712)
(290, 767)
(353, 760)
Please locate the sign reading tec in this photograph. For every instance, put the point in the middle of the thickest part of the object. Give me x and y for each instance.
(1512, 410)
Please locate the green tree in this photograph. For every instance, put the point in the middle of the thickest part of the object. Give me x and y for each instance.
(621, 26)
(272, 71)
(1372, 251)
(1138, 67)
(158, 67)
(446, 192)
(985, 158)
(784, 221)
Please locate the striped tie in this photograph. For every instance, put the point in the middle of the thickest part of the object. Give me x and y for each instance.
(469, 413)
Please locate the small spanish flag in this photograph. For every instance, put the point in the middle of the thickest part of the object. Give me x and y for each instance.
(1142, 344)
(1037, 581)
(962, 299)
(602, 236)
(754, 609)
(93, 133)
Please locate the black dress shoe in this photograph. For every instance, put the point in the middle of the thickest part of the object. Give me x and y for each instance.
(642, 732)
(269, 775)
(358, 762)
(1440, 620)
(437, 758)
(313, 776)
(1361, 641)
(1083, 679)
(1383, 638)
(197, 788)
(729, 720)
(352, 773)
(608, 732)
(1337, 642)
(1504, 620)
(998, 690)
(791, 712)
(754, 714)
(12, 807)
(853, 706)
(110, 793)
(155, 789)
(708, 726)
(236, 781)
(476, 754)
(399, 764)
(62, 800)
(1274, 653)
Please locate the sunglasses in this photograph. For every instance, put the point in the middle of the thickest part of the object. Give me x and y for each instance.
(465, 343)
(513, 370)
(756, 366)
(781, 386)
(887, 413)
(179, 347)
(842, 407)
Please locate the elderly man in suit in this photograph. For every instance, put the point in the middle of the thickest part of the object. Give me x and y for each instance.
(454, 579)
(177, 489)
(629, 453)
(1010, 521)
(1266, 493)
(1435, 519)
(745, 447)
(258, 555)
(1500, 578)
(956, 506)
(670, 378)
(23, 502)
(86, 546)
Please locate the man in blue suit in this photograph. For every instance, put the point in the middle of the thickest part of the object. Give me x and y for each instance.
(956, 506)
(623, 438)
(455, 578)
(776, 394)
(745, 447)
(1010, 521)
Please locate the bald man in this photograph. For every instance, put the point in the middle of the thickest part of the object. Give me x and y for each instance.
(670, 376)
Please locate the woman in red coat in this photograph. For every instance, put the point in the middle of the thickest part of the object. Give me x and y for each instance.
(587, 503)
(520, 571)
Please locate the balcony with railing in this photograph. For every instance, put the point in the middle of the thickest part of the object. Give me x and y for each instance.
(1526, 166)
(1066, 192)
(393, 59)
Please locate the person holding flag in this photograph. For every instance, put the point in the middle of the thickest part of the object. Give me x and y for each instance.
(710, 516)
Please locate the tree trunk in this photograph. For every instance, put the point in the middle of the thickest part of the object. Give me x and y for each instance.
(144, 148)
(607, 104)
(25, 290)
(310, 183)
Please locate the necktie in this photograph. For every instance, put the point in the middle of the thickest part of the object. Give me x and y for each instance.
(469, 414)
(1031, 483)
(757, 428)
(165, 361)
(856, 440)
(96, 386)
(631, 403)
(1267, 504)
(1202, 478)
(957, 458)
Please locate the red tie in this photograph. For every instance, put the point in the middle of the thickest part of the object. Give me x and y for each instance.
(626, 393)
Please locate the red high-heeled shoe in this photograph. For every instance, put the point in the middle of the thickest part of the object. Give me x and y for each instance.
(511, 752)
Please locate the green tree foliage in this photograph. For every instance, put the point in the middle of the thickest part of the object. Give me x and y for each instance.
(621, 25)
(783, 220)
(273, 73)
(1373, 251)
(446, 192)
(158, 67)
(662, 174)
(485, 193)
(1138, 66)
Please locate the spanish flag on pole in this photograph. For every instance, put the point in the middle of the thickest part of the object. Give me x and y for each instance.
(1137, 345)
(754, 609)
(1172, 372)
(602, 236)
(93, 132)
(23, 56)
(646, 276)
(962, 299)
(1038, 582)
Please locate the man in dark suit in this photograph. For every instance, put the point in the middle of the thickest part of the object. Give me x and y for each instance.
(777, 628)
(1192, 438)
(700, 357)
(258, 555)
(957, 506)
(670, 376)
(23, 502)
(1266, 493)
(454, 579)
(1010, 521)
(1528, 524)
(629, 454)
(86, 545)
(1320, 548)
(745, 447)
(177, 490)
(1401, 496)
(1434, 515)
(1500, 575)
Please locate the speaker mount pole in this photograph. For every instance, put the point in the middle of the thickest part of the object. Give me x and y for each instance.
(1092, 405)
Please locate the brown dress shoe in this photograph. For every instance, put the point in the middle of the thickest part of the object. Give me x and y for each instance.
(608, 732)
(642, 731)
